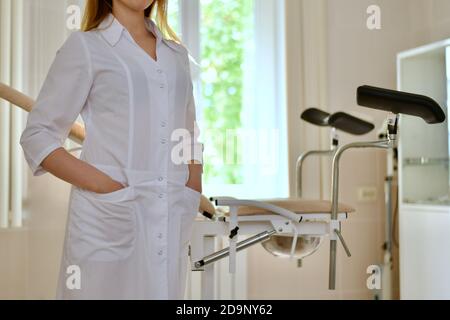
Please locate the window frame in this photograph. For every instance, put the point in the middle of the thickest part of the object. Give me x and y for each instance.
(268, 18)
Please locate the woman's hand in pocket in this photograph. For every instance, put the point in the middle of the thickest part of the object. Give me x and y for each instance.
(79, 173)
(111, 185)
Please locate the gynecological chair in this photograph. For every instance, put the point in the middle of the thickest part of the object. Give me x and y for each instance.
(351, 125)
(337, 122)
(303, 223)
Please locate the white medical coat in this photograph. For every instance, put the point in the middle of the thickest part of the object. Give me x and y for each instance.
(131, 243)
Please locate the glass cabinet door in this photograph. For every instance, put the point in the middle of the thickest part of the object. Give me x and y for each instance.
(424, 149)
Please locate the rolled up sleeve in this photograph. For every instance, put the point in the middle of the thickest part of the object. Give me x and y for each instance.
(60, 101)
(196, 146)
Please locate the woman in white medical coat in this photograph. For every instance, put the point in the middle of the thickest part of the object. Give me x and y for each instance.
(136, 187)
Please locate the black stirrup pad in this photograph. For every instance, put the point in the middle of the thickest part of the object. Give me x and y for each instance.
(316, 116)
(401, 103)
(350, 124)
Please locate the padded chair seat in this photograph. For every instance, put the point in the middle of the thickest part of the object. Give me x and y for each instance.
(295, 205)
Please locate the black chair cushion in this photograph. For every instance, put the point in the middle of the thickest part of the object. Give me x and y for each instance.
(399, 102)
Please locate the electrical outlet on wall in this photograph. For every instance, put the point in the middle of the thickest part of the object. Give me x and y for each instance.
(367, 194)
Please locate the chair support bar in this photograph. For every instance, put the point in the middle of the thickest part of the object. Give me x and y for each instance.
(216, 256)
(300, 163)
(384, 144)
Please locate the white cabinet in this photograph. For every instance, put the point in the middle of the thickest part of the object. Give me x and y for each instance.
(424, 198)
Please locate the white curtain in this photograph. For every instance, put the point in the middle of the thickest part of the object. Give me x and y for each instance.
(11, 119)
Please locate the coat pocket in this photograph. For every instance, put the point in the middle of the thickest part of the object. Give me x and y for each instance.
(190, 210)
(102, 227)
(120, 195)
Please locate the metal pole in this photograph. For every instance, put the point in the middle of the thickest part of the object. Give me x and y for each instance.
(388, 190)
(386, 288)
(384, 144)
(332, 269)
(301, 161)
(263, 236)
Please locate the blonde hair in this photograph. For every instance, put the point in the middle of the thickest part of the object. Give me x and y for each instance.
(97, 10)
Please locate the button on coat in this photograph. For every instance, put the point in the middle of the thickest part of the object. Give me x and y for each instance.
(131, 243)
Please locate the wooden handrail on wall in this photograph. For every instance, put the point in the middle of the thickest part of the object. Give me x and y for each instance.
(77, 132)
(26, 103)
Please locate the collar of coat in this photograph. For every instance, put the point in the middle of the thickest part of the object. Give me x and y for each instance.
(112, 30)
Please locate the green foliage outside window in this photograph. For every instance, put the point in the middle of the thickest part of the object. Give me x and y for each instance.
(225, 31)
(173, 16)
(226, 28)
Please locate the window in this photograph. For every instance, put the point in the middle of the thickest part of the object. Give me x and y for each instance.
(226, 29)
(174, 17)
(239, 89)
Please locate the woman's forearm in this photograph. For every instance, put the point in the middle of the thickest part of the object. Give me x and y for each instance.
(195, 177)
(65, 166)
